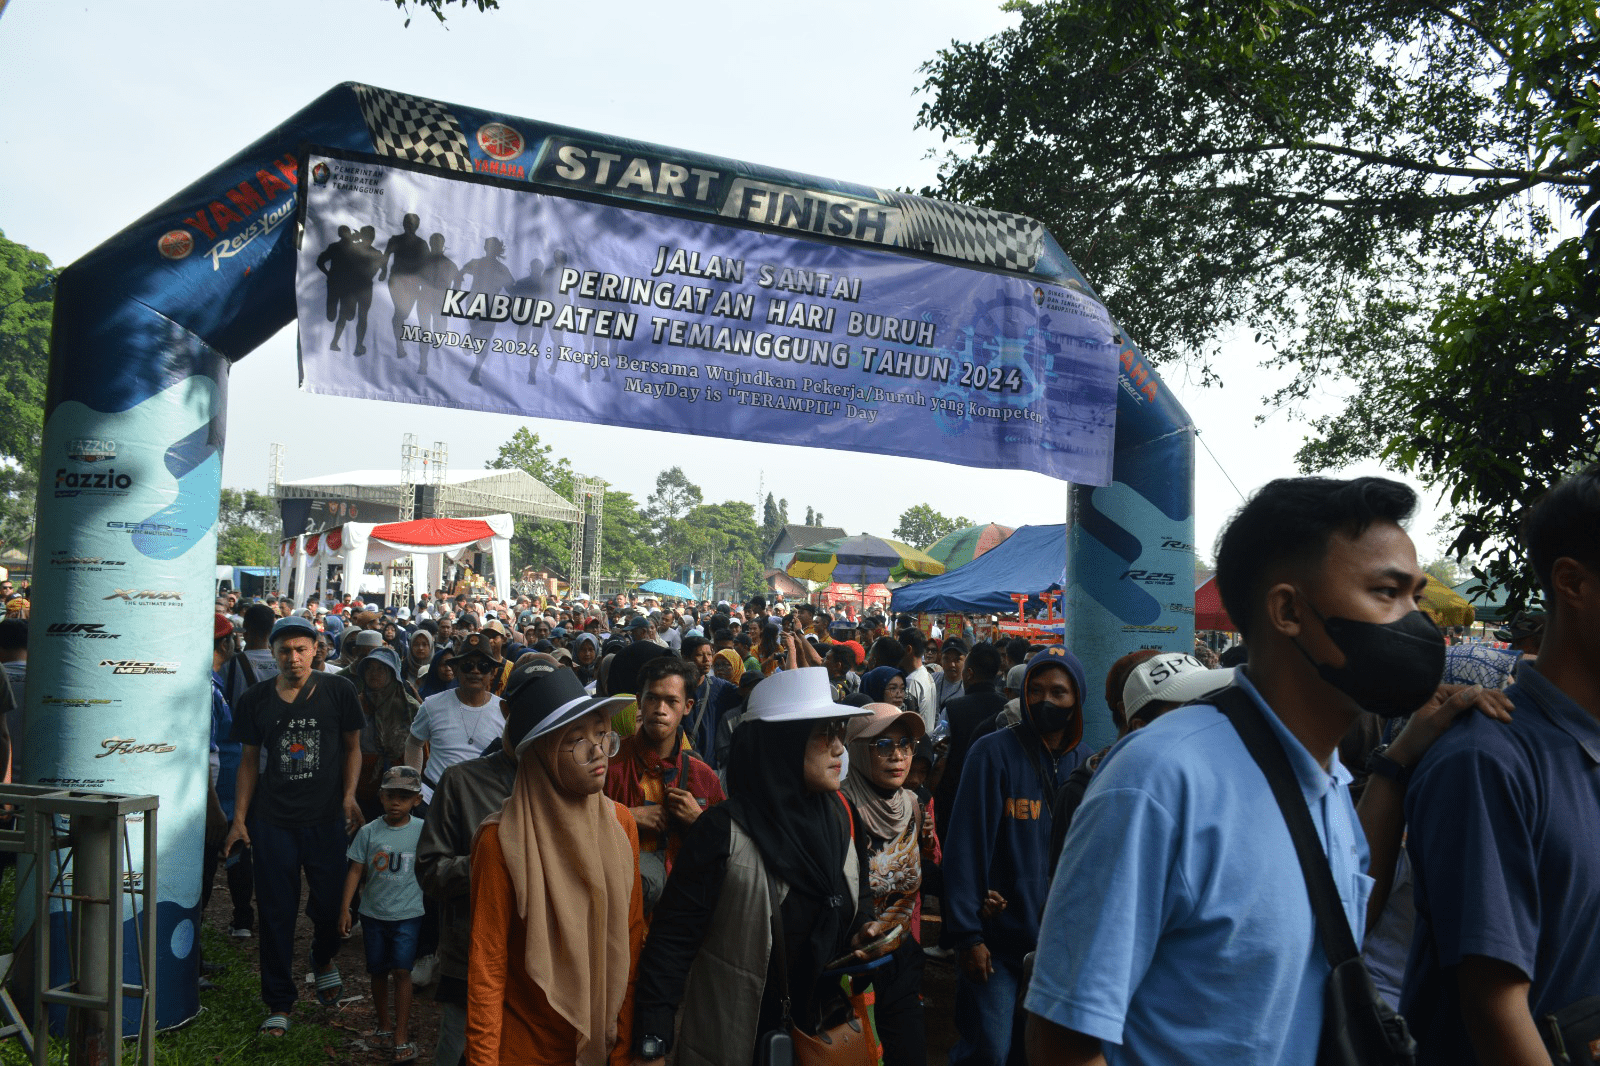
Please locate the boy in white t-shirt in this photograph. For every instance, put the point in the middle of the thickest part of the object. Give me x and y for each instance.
(384, 854)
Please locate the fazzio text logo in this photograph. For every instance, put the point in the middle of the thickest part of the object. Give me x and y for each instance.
(91, 483)
(91, 450)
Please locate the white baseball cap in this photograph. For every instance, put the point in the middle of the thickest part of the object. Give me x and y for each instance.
(1174, 677)
(795, 695)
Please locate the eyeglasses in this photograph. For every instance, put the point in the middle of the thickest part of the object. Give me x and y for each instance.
(587, 751)
(476, 666)
(885, 747)
(831, 730)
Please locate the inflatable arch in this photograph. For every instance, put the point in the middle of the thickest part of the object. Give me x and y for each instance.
(147, 325)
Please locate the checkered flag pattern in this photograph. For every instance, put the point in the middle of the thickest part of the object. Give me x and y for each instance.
(409, 127)
(993, 238)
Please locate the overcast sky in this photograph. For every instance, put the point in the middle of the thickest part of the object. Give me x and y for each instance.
(113, 106)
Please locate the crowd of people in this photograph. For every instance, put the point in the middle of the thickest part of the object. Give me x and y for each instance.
(714, 833)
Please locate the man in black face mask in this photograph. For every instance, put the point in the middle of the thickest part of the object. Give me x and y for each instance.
(1179, 879)
(997, 850)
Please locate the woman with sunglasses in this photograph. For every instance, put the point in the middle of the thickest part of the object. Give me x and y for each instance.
(881, 748)
(786, 832)
(557, 912)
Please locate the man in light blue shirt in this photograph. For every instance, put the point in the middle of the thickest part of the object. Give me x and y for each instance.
(1178, 928)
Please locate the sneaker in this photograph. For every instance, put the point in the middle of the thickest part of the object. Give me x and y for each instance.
(424, 970)
(933, 951)
(239, 933)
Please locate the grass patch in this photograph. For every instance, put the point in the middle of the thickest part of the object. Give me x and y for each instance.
(224, 1032)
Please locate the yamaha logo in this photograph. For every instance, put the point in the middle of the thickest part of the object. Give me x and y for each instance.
(500, 141)
(175, 244)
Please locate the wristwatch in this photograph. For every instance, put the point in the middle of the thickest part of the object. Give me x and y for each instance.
(1380, 764)
(652, 1047)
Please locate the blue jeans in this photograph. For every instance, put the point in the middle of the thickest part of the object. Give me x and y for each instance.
(280, 856)
(390, 944)
(985, 1015)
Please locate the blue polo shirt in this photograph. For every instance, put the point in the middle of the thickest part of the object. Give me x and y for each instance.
(1178, 929)
(1503, 829)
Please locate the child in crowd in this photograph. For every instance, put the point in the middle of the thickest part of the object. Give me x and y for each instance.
(384, 854)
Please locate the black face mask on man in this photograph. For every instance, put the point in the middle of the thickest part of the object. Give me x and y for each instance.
(1051, 717)
(1390, 668)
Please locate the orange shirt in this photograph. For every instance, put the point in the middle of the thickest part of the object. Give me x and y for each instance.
(509, 1018)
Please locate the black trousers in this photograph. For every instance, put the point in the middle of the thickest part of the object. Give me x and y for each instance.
(898, 1007)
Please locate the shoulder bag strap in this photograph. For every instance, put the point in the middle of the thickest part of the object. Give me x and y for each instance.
(1333, 927)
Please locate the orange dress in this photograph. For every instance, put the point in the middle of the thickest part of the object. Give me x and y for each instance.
(509, 1018)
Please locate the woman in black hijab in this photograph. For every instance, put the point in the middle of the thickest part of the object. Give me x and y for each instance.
(785, 819)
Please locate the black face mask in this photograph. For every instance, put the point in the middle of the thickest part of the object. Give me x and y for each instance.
(1050, 717)
(1390, 669)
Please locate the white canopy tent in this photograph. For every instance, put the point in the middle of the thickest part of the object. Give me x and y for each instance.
(428, 542)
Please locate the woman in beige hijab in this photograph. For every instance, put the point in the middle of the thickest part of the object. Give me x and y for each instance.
(557, 913)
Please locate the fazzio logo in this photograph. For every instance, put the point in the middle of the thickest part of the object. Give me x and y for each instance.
(91, 449)
(94, 483)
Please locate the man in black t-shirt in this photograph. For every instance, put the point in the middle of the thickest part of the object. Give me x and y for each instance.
(297, 812)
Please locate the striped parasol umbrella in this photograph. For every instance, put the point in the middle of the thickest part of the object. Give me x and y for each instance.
(960, 547)
(862, 560)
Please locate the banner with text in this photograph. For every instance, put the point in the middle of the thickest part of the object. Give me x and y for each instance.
(423, 288)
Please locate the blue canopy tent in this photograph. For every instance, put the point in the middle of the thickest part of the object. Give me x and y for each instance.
(661, 586)
(1031, 560)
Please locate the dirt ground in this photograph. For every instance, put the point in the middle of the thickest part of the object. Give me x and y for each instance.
(356, 1014)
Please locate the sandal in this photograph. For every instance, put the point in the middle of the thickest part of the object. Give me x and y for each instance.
(379, 1038)
(329, 987)
(405, 1053)
(278, 1022)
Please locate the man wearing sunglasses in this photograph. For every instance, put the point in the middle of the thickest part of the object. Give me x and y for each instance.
(458, 724)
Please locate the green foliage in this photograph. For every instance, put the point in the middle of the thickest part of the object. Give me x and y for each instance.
(725, 538)
(26, 303)
(542, 545)
(664, 512)
(1377, 189)
(247, 529)
(774, 516)
(224, 1033)
(921, 525)
(436, 7)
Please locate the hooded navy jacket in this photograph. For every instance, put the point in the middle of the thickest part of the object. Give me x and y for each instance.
(998, 834)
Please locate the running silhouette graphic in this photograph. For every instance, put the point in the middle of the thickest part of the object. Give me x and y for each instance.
(538, 283)
(490, 276)
(345, 263)
(403, 259)
(438, 271)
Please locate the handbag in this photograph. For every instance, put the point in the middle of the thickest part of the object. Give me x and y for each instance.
(850, 1041)
(1572, 1034)
(1358, 1027)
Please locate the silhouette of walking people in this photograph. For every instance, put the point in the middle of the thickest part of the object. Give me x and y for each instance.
(403, 260)
(346, 265)
(438, 271)
(488, 275)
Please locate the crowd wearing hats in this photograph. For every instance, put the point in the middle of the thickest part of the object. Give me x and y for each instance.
(630, 832)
